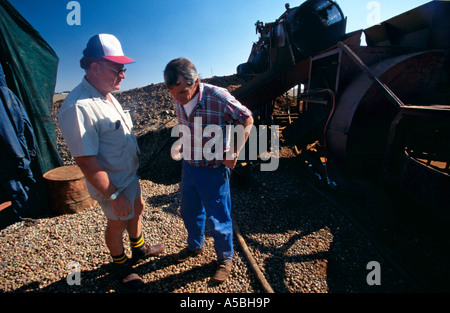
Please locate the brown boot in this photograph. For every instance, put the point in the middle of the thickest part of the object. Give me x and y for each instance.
(140, 254)
(223, 271)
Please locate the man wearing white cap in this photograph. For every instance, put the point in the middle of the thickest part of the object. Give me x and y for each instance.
(99, 136)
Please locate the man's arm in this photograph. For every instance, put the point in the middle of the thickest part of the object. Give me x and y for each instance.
(248, 123)
(98, 178)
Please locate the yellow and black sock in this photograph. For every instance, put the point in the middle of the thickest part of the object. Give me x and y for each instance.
(137, 243)
(120, 259)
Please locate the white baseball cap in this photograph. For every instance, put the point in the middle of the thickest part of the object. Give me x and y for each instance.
(108, 47)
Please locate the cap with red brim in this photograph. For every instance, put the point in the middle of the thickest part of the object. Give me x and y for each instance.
(108, 47)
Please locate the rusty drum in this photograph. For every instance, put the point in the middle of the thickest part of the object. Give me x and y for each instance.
(67, 189)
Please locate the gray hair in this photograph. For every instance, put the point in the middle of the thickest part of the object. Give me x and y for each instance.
(183, 67)
(85, 62)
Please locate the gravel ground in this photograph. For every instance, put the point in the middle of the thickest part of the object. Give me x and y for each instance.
(300, 242)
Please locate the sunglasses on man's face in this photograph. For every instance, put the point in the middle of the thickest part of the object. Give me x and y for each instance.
(117, 72)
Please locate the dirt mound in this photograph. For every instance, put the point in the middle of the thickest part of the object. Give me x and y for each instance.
(152, 106)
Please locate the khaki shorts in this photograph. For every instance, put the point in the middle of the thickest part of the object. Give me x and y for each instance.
(132, 192)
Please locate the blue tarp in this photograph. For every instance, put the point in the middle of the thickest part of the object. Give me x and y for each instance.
(18, 146)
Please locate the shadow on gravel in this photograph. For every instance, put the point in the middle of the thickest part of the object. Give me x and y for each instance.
(174, 281)
(101, 280)
(303, 241)
(170, 203)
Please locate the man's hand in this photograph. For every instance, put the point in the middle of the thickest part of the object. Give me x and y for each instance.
(230, 163)
(121, 206)
(98, 178)
(248, 123)
(175, 152)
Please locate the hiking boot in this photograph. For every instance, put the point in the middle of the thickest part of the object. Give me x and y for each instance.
(140, 254)
(185, 254)
(223, 271)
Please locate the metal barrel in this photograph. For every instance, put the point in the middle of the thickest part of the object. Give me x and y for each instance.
(67, 189)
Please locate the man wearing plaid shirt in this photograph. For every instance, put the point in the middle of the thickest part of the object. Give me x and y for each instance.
(203, 110)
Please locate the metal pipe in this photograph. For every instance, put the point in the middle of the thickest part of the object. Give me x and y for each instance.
(389, 93)
(252, 262)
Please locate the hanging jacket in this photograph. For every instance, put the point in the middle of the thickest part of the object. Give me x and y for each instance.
(17, 147)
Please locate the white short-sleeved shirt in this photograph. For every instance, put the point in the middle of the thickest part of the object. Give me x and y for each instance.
(92, 125)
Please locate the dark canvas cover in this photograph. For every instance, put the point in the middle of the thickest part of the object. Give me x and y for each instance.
(30, 68)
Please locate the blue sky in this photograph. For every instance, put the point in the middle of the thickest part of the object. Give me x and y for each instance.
(217, 35)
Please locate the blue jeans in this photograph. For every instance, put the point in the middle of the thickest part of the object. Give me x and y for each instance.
(205, 195)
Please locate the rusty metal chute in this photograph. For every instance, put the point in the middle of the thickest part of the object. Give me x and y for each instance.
(357, 132)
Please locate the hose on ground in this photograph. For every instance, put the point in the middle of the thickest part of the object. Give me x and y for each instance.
(252, 262)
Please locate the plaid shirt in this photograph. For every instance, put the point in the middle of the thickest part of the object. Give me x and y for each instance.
(215, 106)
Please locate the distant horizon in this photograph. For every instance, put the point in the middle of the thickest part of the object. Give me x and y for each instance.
(151, 84)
